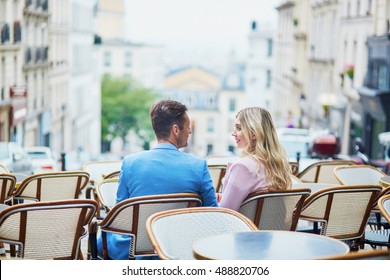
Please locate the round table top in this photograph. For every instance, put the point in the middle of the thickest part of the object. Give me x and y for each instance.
(268, 245)
(385, 181)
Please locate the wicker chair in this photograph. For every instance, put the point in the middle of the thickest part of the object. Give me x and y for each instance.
(173, 232)
(7, 183)
(363, 175)
(342, 211)
(129, 216)
(106, 191)
(381, 236)
(3, 169)
(384, 206)
(295, 179)
(52, 186)
(97, 171)
(322, 171)
(217, 173)
(114, 174)
(294, 167)
(358, 175)
(47, 230)
(275, 210)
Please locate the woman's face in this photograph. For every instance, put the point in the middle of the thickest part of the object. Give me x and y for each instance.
(239, 135)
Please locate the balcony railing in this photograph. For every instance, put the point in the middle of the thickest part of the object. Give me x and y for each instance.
(37, 55)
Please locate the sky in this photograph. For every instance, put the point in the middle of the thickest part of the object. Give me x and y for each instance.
(193, 30)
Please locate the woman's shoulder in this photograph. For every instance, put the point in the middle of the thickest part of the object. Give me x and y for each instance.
(247, 160)
(247, 163)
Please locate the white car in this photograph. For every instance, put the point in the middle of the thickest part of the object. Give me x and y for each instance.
(15, 159)
(297, 143)
(43, 159)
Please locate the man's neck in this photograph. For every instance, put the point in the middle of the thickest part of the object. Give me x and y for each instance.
(167, 141)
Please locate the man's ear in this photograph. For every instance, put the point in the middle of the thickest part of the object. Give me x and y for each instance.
(175, 129)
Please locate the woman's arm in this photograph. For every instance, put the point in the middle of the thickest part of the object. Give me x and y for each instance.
(238, 186)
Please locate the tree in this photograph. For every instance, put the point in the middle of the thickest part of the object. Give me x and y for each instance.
(125, 107)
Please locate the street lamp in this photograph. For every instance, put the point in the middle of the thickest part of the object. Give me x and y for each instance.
(327, 99)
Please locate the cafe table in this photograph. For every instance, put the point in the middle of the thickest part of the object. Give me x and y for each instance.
(268, 245)
(385, 181)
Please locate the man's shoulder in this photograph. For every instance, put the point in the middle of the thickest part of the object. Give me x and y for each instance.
(192, 157)
(137, 155)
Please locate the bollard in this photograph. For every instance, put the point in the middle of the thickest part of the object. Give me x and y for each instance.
(63, 161)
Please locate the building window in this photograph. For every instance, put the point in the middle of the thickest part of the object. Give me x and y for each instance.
(128, 60)
(107, 59)
(231, 149)
(268, 79)
(369, 7)
(232, 105)
(378, 73)
(358, 8)
(383, 82)
(269, 47)
(209, 149)
(210, 125)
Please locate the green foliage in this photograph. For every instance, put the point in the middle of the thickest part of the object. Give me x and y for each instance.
(125, 107)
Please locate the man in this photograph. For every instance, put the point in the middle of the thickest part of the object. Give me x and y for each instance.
(164, 169)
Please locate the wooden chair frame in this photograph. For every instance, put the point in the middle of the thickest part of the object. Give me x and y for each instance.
(266, 202)
(217, 229)
(34, 186)
(318, 166)
(319, 207)
(101, 194)
(384, 207)
(125, 219)
(357, 166)
(222, 171)
(114, 174)
(34, 226)
(294, 167)
(4, 169)
(109, 166)
(7, 183)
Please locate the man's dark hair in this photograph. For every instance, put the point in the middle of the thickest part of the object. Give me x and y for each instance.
(164, 114)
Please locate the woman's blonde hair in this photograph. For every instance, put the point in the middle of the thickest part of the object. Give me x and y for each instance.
(264, 146)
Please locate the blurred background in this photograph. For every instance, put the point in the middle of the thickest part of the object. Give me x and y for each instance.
(77, 77)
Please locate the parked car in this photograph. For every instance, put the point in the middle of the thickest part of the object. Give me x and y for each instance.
(75, 160)
(297, 143)
(43, 159)
(15, 158)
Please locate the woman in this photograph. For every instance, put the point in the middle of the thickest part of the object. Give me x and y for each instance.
(264, 164)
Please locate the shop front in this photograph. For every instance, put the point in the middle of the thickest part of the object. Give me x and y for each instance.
(375, 95)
